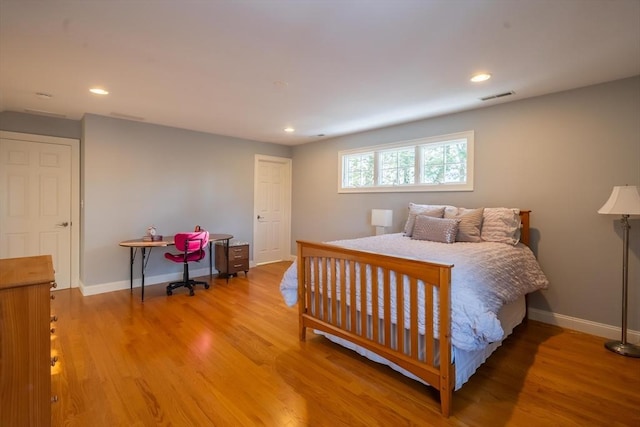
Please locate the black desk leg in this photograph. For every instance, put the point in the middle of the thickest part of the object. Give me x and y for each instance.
(131, 258)
(226, 254)
(144, 264)
(210, 261)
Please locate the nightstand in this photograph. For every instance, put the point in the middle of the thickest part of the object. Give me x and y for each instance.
(238, 259)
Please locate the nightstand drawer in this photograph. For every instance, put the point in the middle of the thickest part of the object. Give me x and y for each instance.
(238, 252)
(238, 265)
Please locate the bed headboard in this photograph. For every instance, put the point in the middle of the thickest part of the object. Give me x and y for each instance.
(524, 228)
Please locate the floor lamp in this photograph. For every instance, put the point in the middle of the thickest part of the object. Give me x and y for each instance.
(625, 201)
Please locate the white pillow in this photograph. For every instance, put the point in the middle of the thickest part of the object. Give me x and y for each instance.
(501, 225)
(470, 224)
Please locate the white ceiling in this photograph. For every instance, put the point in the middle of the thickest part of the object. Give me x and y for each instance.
(250, 68)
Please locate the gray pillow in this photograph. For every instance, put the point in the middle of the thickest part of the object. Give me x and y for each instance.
(470, 224)
(411, 219)
(443, 230)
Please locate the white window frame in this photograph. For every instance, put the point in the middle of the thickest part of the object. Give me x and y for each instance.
(416, 186)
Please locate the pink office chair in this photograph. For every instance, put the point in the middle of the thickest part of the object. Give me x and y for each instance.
(192, 247)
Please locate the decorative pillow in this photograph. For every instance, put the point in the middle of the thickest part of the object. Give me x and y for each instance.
(470, 224)
(436, 211)
(501, 225)
(443, 230)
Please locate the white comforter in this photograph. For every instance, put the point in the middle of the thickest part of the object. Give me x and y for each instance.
(485, 277)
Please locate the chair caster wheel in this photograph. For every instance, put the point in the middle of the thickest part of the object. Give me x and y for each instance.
(207, 286)
(191, 293)
(169, 293)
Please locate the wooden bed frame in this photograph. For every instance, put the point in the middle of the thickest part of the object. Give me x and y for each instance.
(333, 315)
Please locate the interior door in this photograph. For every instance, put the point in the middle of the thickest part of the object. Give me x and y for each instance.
(272, 209)
(35, 200)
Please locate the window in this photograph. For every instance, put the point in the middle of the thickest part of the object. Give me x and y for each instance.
(440, 163)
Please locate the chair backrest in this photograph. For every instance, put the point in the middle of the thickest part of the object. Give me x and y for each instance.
(191, 241)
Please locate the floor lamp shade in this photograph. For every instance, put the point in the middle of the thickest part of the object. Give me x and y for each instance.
(625, 201)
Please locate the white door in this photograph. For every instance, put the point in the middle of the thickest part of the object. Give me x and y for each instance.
(36, 203)
(272, 209)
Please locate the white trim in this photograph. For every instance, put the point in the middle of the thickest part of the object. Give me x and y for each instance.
(148, 281)
(581, 325)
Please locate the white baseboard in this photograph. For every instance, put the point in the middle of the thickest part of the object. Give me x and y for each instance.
(148, 280)
(581, 325)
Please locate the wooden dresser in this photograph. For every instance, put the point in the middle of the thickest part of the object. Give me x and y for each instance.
(237, 261)
(25, 341)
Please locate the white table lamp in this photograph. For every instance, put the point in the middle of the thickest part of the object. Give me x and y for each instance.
(625, 201)
(381, 218)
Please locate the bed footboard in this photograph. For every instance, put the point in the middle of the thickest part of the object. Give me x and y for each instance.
(349, 294)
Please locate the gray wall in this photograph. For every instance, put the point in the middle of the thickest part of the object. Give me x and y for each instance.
(137, 174)
(559, 155)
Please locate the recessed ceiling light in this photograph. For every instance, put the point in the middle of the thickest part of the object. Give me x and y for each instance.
(480, 77)
(99, 91)
(289, 129)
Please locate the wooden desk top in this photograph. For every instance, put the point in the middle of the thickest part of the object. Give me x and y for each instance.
(216, 237)
(140, 243)
(166, 241)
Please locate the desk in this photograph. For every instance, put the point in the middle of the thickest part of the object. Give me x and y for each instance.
(134, 244)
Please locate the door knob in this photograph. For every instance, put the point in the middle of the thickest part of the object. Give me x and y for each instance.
(63, 224)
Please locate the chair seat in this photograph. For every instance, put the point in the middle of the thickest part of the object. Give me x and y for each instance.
(191, 257)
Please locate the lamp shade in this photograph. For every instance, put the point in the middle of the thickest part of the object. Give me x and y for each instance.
(381, 217)
(624, 200)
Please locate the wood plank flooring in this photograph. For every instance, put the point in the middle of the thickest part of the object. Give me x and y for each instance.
(230, 356)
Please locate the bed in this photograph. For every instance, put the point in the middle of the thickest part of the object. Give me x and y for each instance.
(398, 299)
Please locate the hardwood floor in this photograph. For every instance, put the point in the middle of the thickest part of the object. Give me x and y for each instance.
(230, 356)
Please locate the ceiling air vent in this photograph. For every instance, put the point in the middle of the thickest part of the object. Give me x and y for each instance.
(500, 95)
(127, 116)
(45, 113)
